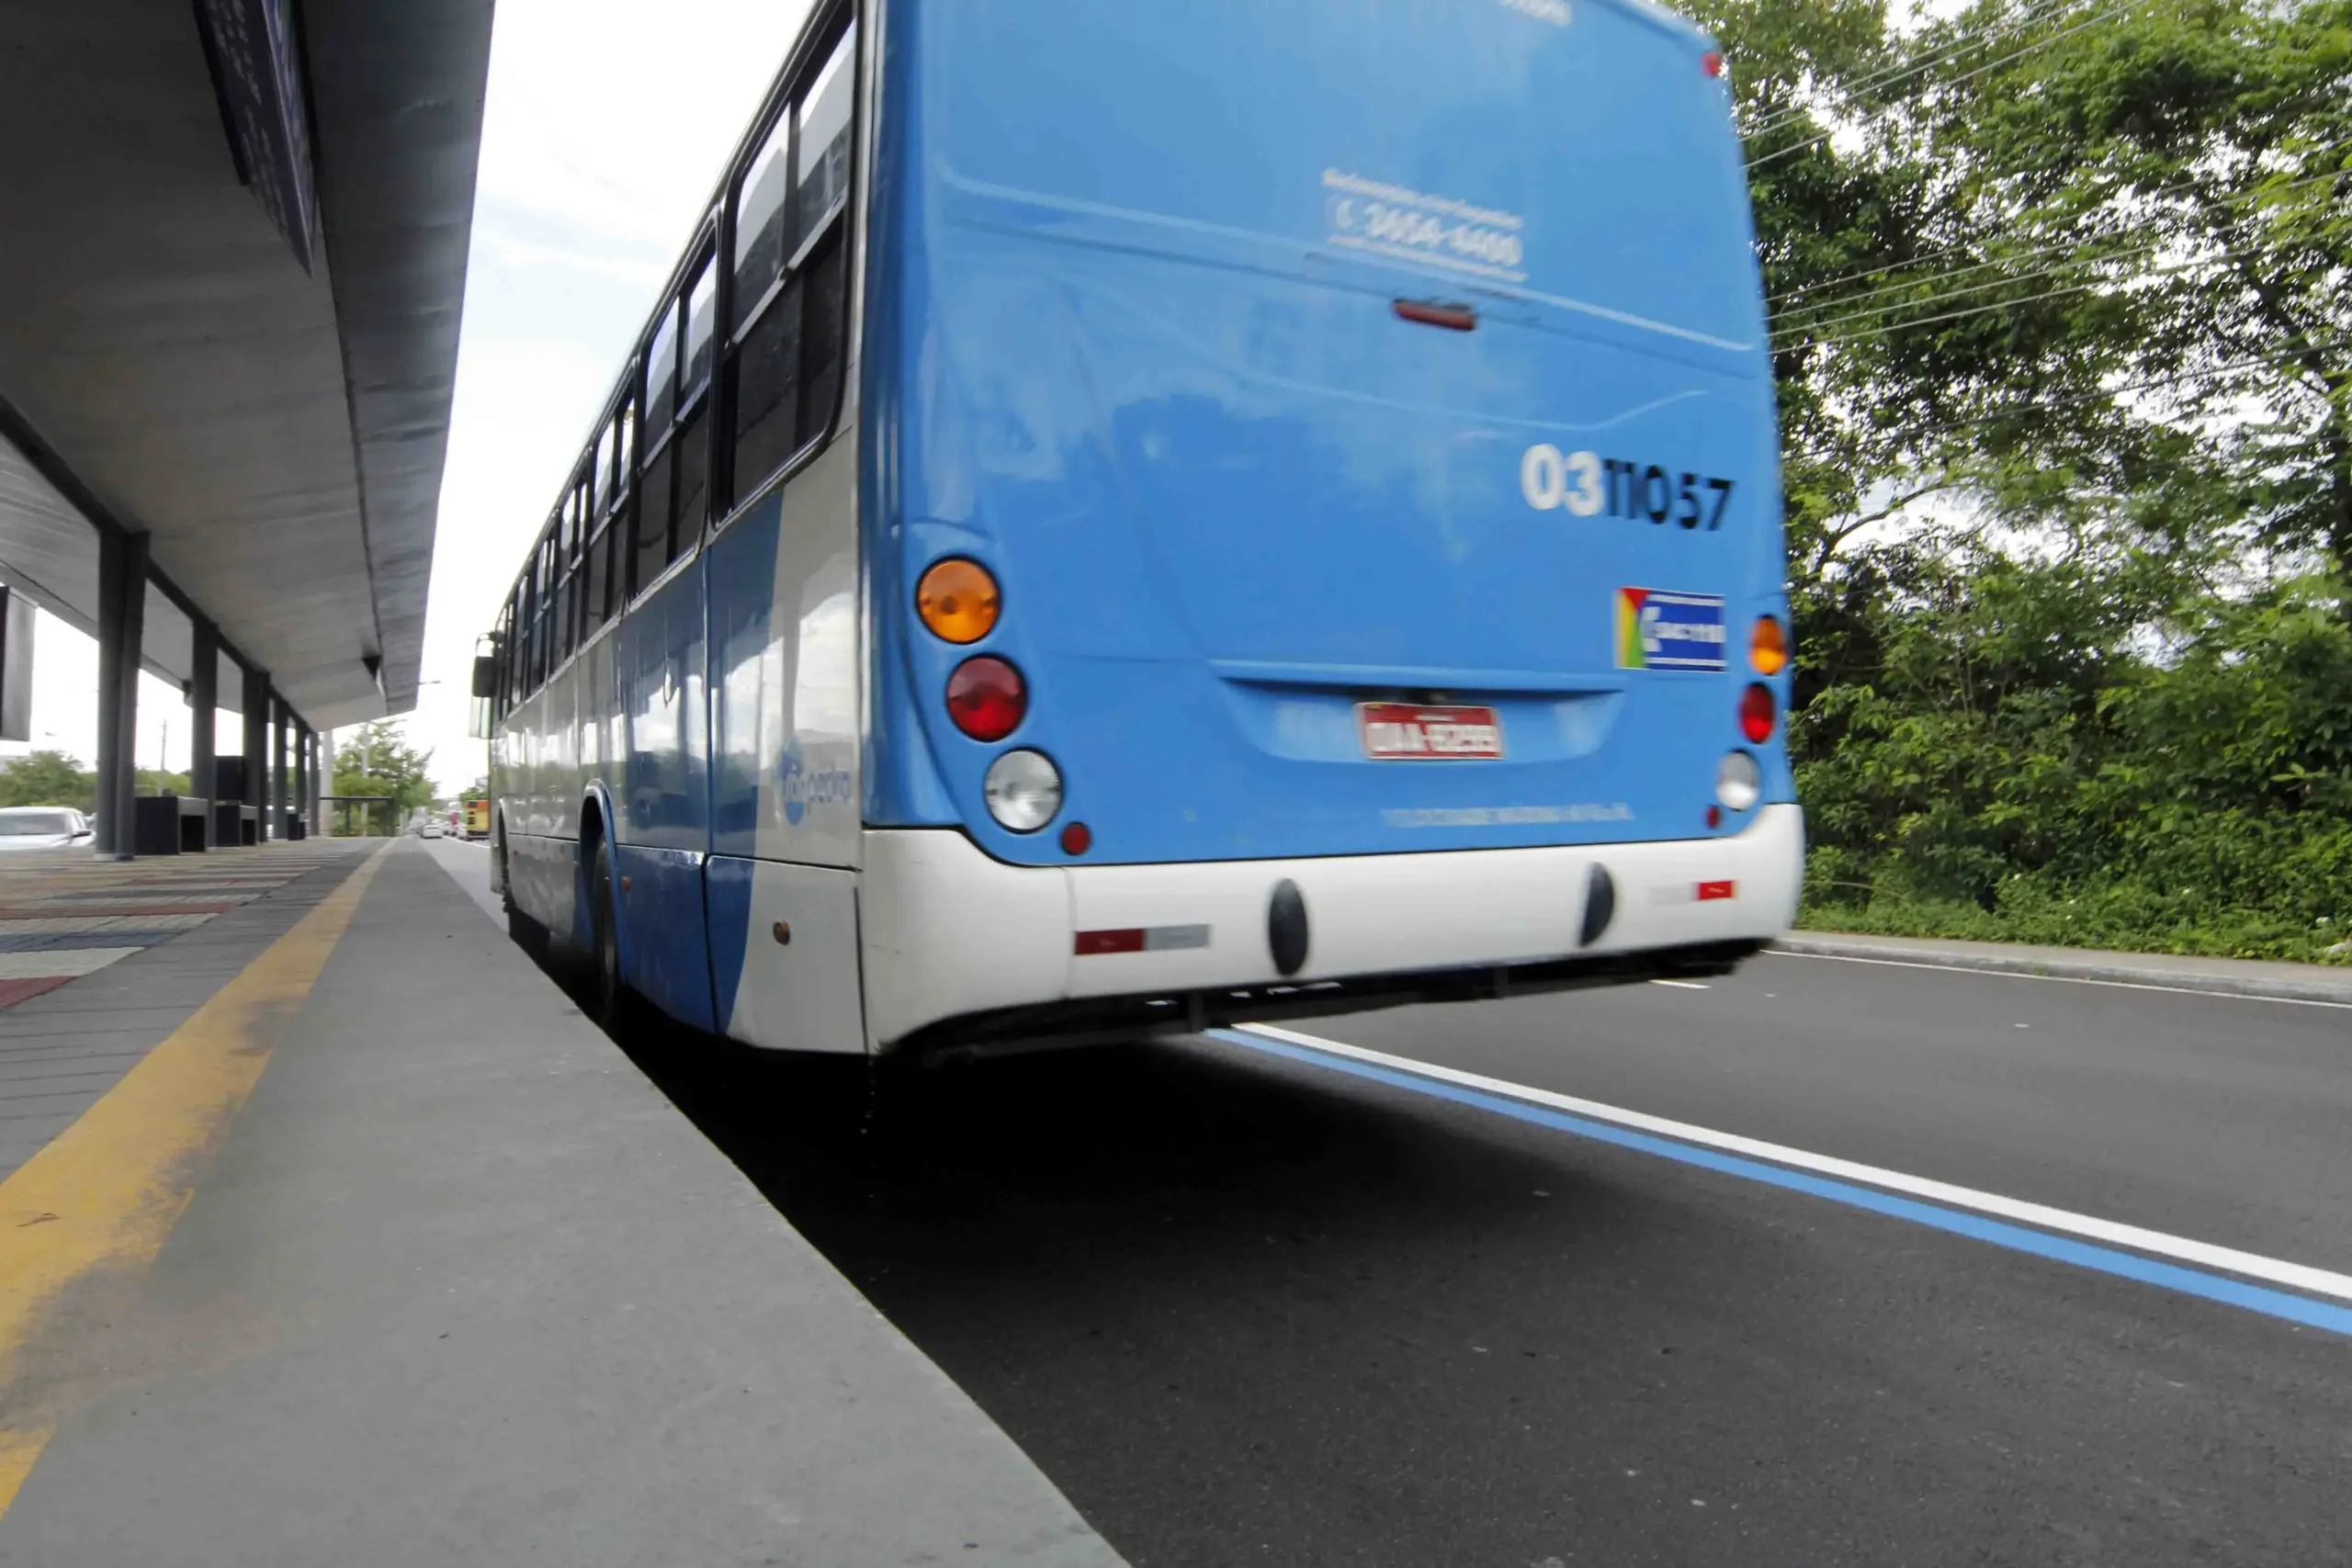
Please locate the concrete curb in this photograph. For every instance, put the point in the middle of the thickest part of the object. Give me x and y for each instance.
(2117, 968)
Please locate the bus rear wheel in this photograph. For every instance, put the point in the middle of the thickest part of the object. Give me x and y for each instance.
(608, 994)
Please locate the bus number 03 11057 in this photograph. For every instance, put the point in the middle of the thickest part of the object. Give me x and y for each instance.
(1586, 484)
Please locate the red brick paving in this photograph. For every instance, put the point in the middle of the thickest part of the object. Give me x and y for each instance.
(15, 991)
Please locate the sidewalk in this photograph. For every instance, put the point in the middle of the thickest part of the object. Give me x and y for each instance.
(66, 913)
(2222, 976)
(99, 960)
(459, 1286)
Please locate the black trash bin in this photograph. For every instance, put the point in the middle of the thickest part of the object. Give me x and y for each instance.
(170, 825)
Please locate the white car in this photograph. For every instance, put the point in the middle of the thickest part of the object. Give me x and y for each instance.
(431, 828)
(42, 827)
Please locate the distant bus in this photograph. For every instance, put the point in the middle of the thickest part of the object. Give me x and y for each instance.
(477, 818)
(1130, 518)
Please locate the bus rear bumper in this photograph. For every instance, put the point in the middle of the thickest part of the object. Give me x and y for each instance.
(959, 947)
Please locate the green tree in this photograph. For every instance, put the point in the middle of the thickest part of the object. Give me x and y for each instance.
(2077, 278)
(48, 778)
(2085, 262)
(377, 761)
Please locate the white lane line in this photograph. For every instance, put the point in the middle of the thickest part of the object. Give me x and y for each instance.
(2182, 1250)
(1682, 985)
(2061, 980)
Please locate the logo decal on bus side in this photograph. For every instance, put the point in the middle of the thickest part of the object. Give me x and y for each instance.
(1657, 630)
(805, 787)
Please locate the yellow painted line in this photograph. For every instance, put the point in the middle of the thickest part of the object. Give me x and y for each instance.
(96, 1203)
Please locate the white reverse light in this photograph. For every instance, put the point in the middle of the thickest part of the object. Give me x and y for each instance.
(1024, 790)
(1738, 781)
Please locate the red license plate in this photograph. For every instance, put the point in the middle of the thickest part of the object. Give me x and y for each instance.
(1407, 732)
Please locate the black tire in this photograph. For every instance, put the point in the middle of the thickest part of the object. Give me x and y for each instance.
(607, 995)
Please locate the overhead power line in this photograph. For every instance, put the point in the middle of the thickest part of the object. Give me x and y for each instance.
(2241, 199)
(1889, 74)
(1796, 147)
(2148, 384)
(1900, 298)
(1807, 332)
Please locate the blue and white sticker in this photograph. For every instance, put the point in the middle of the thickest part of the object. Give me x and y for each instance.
(1660, 630)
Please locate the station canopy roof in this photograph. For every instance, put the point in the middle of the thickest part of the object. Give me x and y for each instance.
(233, 256)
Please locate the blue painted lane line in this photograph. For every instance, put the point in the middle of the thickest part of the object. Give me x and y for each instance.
(2210, 1286)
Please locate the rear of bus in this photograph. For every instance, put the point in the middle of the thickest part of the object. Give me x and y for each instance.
(1322, 513)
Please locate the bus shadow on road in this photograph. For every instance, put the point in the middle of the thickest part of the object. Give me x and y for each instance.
(1113, 1165)
(1225, 1300)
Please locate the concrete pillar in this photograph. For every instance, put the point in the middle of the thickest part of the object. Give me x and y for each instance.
(122, 611)
(278, 798)
(203, 703)
(304, 776)
(257, 748)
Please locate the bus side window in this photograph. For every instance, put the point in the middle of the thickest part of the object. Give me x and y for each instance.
(624, 489)
(596, 499)
(596, 577)
(531, 625)
(789, 265)
(518, 680)
(582, 621)
(604, 476)
(542, 619)
(549, 586)
(654, 499)
(500, 640)
(567, 594)
(692, 441)
(510, 652)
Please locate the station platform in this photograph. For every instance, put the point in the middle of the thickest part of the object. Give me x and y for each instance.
(331, 1231)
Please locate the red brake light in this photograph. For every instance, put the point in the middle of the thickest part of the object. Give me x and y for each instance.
(986, 698)
(1757, 713)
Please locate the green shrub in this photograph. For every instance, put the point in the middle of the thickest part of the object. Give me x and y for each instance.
(2000, 749)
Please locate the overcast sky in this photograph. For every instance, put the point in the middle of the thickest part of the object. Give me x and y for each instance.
(605, 136)
(606, 132)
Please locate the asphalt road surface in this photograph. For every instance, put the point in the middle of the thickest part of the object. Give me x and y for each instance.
(1252, 1301)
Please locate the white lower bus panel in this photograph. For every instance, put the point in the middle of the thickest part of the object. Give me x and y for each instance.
(960, 947)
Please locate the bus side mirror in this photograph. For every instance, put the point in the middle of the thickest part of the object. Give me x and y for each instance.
(485, 676)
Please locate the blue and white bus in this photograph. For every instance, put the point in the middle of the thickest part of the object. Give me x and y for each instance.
(1129, 517)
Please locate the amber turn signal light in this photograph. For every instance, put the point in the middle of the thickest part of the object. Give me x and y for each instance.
(958, 600)
(1768, 646)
